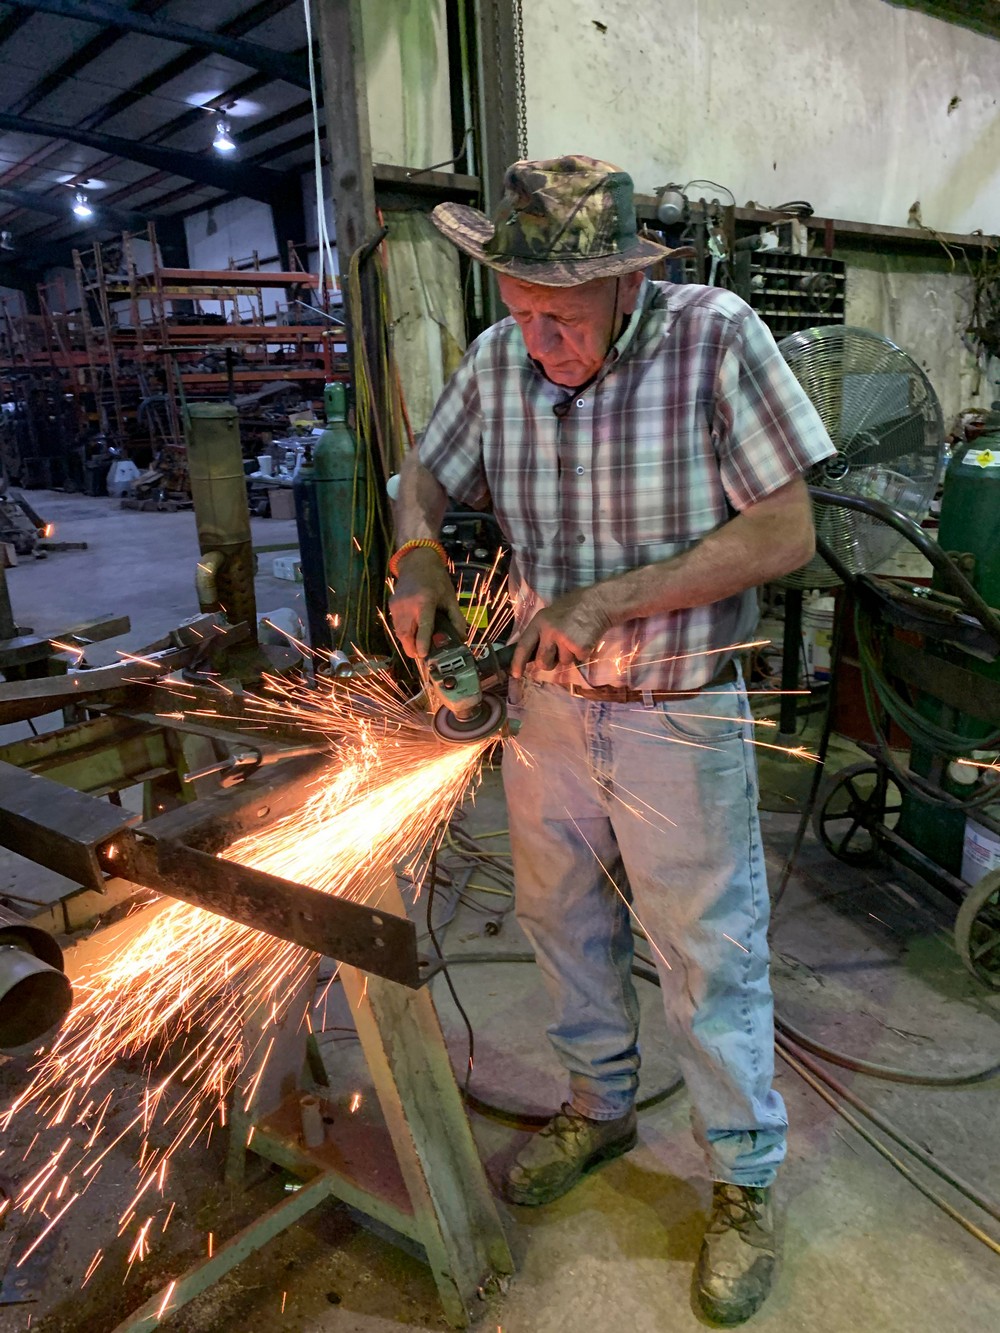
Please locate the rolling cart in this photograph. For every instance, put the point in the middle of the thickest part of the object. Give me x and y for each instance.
(930, 667)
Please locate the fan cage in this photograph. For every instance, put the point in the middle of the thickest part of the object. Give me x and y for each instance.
(885, 421)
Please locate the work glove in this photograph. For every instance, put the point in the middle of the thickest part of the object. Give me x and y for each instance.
(422, 588)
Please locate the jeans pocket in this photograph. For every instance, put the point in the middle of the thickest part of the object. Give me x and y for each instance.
(712, 717)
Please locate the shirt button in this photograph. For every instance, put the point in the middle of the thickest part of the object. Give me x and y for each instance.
(581, 402)
(580, 471)
(580, 539)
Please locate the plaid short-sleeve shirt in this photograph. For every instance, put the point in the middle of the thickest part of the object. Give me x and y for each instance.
(694, 417)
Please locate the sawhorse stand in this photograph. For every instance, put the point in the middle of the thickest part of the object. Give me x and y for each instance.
(415, 1170)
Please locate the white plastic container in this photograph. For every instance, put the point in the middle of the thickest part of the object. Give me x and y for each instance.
(817, 632)
(121, 475)
(980, 850)
(287, 567)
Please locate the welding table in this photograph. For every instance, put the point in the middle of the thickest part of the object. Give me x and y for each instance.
(429, 1185)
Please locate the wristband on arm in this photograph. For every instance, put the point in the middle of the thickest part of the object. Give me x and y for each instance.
(409, 546)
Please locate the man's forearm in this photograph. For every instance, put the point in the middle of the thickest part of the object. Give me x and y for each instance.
(752, 548)
(421, 502)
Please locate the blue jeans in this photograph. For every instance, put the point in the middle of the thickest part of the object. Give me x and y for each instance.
(655, 804)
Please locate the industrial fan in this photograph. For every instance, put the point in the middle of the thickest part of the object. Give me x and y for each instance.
(885, 421)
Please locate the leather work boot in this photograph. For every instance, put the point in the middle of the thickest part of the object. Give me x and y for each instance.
(558, 1155)
(736, 1264)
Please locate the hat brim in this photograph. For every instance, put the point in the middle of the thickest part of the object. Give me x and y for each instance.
(470, 230)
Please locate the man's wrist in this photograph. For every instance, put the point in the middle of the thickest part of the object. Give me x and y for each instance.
(428, 545)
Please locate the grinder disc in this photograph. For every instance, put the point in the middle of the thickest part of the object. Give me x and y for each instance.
(487, 718)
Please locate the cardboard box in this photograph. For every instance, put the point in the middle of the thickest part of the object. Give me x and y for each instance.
(282, 500)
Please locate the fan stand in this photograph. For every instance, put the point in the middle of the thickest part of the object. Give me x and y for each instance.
(790, 648)
(785, 781)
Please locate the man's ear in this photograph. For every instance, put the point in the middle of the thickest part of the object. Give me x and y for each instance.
(628, 291)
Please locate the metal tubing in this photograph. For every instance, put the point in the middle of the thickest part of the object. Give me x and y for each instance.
(35, 994)
(218, 487)
(790, 648)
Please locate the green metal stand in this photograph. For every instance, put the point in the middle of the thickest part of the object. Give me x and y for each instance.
(414, 1168)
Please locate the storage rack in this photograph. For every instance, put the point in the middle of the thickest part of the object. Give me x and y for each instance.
(152, 344)
(792, 292)
(41, 364)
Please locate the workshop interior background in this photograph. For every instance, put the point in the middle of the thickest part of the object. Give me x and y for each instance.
(876, 126)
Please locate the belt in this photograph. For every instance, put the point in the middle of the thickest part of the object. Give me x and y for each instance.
(612, 694)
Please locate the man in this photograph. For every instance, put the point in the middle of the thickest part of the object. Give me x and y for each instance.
(642, 446)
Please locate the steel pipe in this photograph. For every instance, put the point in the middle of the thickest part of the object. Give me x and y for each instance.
(35, 994)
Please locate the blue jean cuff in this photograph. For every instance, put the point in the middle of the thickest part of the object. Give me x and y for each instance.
(598, 1110)
(758, 1183)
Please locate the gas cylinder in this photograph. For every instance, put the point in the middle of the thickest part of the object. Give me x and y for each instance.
(311, 552)
(970, 514)
(341, 486)
(969, 532)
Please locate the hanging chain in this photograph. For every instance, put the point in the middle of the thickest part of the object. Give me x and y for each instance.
(499, 64)
(522, 103)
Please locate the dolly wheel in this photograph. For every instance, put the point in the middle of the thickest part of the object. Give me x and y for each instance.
(855, 802)
(977, 930)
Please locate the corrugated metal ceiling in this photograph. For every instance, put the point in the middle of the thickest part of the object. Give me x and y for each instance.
(153, 90)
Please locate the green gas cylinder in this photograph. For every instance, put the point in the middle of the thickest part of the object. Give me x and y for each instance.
(969, 532)
(341, 481)
(970, 515)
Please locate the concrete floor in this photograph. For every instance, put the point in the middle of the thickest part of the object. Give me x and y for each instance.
(862, 960)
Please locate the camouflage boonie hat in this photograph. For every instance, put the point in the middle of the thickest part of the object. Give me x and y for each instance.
(561, 222)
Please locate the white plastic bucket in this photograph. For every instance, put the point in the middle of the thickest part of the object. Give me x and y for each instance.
(980, 850)
(817, 633)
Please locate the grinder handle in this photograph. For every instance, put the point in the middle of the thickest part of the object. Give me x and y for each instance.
(443, 634)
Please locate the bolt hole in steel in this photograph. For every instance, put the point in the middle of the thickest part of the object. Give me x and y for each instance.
(858, 799)
(263, 812)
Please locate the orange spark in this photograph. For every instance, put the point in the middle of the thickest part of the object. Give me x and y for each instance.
(195, 979)
(166, 1299)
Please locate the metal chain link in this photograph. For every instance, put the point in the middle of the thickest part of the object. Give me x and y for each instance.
(521, 109)
(522, 102)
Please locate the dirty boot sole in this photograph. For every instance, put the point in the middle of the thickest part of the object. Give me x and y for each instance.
(728, 1314)
(528, 1197)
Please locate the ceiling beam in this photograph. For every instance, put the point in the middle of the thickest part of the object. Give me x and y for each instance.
(61, 208)
(57, 254)
(277, 64)
(79, 60)
(250, 182)
(982, 16)
(17, 18)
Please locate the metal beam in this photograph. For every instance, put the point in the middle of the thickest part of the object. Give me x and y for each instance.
(70, 67)
(248, 182)
(276, 64)
(14, 20)
(60, 208)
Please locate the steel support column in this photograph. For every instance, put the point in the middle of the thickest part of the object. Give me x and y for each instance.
(352, 181)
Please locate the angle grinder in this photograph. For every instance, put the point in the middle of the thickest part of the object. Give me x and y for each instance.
(463, 682)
